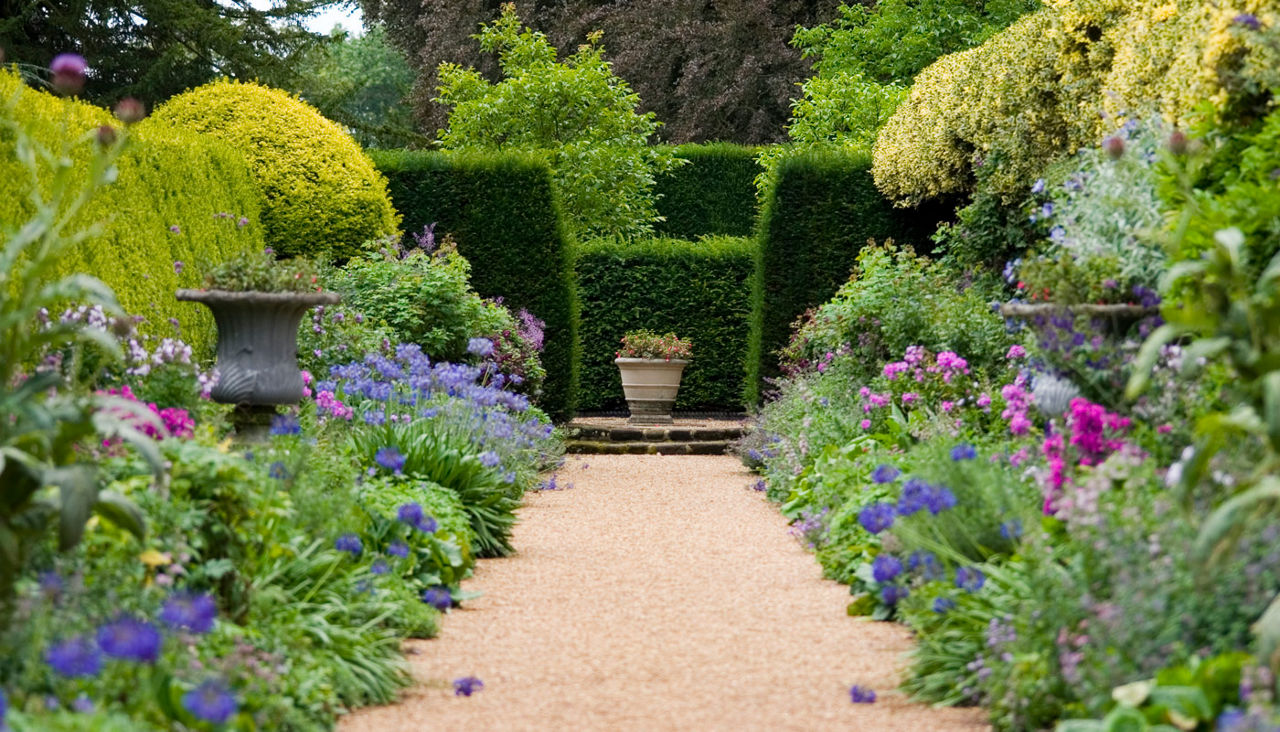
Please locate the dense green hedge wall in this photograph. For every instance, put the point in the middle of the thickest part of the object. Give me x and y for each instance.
(179, 197)
(823, 209)
(503, 212)
(714, 193)
(699, 290)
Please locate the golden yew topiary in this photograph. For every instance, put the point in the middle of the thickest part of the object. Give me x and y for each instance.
(1062, 78)
(321, 194)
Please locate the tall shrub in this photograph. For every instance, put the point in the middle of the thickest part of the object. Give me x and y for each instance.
(713, 193)
(503, 212)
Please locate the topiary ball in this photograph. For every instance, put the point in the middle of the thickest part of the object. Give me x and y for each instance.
(321, 194)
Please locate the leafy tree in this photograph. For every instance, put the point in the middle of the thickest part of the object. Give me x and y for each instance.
(577, 114)
(153, 49)
(710, 71)
(361, 82)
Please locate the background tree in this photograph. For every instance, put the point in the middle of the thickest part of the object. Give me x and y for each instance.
(153, 49)
(709, 70)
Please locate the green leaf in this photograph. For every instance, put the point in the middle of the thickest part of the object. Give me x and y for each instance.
(1228, 518)
(1125, 719)
(1081, 725)
(1185, 703)
(78, 490)
(1146, 359)
(122, 512)
(1266, 633)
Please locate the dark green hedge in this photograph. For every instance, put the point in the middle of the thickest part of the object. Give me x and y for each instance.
(823, 209)
(504, 214)
(697, 289)
(714, 193)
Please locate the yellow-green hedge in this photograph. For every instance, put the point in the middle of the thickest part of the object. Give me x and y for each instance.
(167, 178)
(1062, 78)
(320, 192)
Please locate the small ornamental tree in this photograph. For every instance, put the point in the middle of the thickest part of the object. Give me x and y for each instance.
(575, 113)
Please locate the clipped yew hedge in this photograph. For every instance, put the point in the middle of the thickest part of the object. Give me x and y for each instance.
(503, 212)
(697, 289)
(713, 193)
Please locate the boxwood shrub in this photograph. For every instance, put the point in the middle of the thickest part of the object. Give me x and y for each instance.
(179, 197)
(713, 193)
(822, 210)
(503, 212)
(697, 289)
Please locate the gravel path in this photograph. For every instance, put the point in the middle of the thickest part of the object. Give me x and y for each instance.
(658, 593)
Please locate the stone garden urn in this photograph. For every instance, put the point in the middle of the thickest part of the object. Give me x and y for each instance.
(650, 386)
(257, 363)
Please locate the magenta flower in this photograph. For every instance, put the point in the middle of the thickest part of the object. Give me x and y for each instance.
(68, 72)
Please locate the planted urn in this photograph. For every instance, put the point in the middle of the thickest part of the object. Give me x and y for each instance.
(651, 366)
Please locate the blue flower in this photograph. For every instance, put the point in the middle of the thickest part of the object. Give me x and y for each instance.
(1038, 186)
(877, 517)
(1011, 530)
(1046, 210)
(438, 597)
(380, 567)
(285, 424)
(389, 458)
(861, 695)
(489, 459)
(82, 703)
(192, 611)
(915, 496)
(74, 657)
(428, 525)
(398, 549)
(131, 639)
(970, 580)
(885, 473)
(278, 471)
(942, 604)
(51, 584)
(480, 347)
(760, 485)
(349, 543)
(940, 499)
(211, 701)
(928, 565)
(893, 594)
(963, 451)
(410, 513)
(1247, 20)
(885, 567)
(4, 708)
(466, 686)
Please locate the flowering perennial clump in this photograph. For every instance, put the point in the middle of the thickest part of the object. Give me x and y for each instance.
(647, 344)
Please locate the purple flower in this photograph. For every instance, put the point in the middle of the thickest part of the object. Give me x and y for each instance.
(893, 594)
(489, 459)
(192, 611)
(480, 347)
(349, 543)
(942, 604)
(438, 597)
(963, 451)
(885, 473)
(211, 701)
(877, 517)
(410, 513)
(82, 703)
(380, 567)
(1248, 20)
(915, 496)
(861, 695)
(51, 584)
(466, 686)
(1011, 530)
(940, 499)
(970, 580)
(74, 657)
(885, 567)
(285, 424)
(131, 639)
(390, 458)
(177, 266)
(68, 72)
(398, 549)
(928, 565)
(175, 229)
(1038, 186)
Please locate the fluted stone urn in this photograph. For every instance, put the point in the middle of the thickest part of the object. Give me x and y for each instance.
(257, 348)
(650, 386)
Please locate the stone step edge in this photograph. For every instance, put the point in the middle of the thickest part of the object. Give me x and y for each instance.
(657, 433)
(581, 447)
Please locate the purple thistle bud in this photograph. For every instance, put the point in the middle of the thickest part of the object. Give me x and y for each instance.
(68, 72)
(106, 135)
(130, 111)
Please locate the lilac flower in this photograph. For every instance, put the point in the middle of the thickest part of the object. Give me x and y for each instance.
(74, 657)
(380, 567)
(885, 567)
(211, 701)
(349, 543)
(398, 549)
(861, 695)
(82, 703)
(438, 597)
(390, 458)
(885, 473)
(489, 459)
(970, 579)
(963, 451)
(466, 686)
(893, 594)
(877, 517)
(480, 347)
(193, 611)
(1248, 20)
(285, 424)
(131, 639)
(942, 604)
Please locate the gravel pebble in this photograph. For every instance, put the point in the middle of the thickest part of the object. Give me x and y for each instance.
(661, 593)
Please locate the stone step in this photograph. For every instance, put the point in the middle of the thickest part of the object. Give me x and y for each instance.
(621, 432)
(705, 447)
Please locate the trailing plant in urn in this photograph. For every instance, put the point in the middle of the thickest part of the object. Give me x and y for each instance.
(651, 367)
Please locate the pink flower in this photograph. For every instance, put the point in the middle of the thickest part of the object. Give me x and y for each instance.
(984, 400)
(1016, 351)
(948, 406)
(865, 424)
(909, 397)
(891, 370)
(1165, 429)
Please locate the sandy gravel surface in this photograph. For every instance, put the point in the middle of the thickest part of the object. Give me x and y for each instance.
(659, 593)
